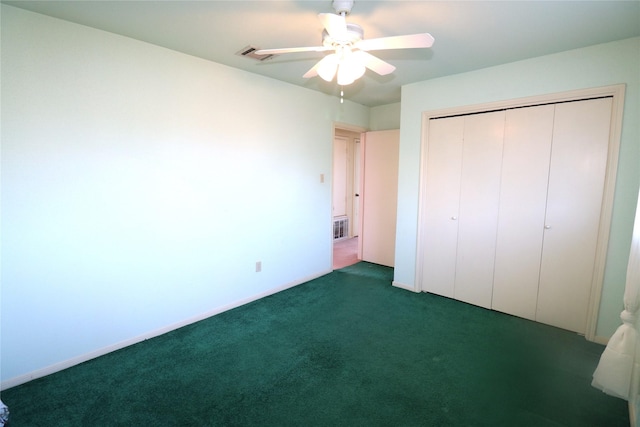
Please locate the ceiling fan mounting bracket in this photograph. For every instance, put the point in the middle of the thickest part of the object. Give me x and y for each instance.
(343, 6)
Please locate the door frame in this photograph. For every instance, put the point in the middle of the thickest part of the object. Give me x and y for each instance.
(617, 93)
(349, 128)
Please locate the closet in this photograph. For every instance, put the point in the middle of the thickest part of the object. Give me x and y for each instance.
(511, 208)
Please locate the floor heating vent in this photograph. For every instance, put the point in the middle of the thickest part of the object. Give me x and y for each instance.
(340, 227)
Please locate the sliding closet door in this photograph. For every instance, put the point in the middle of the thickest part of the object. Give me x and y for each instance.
(441, 204)
(479, 201)
(523, 198)
(576, 183)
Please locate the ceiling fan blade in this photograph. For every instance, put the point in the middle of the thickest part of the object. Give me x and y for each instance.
(336, 25)
(312, 72)
(292, 50)
(397, 42)
(374, 64)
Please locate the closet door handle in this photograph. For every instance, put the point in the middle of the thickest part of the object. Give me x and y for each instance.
(453, 218)
(546, 227)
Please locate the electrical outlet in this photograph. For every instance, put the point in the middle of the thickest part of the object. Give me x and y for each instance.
(258, 266)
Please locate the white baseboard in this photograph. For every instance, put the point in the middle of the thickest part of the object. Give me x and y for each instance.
(403, 286)
(633, 415)
(601, 340)
(21, 379)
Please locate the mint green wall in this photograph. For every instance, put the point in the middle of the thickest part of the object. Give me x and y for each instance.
(141, 185)
(385, 117)
(594, 66)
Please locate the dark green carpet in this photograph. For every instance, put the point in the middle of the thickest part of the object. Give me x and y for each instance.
(345, 349)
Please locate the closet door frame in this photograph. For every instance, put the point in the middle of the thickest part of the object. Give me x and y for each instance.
(614, 91)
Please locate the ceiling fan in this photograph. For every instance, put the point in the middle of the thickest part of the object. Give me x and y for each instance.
(351, 56)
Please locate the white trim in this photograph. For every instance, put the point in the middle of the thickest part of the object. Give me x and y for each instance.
(615, 91)
(633, 422)
(598, 339)
(606, 210)
(405, 286)
(348, 127)
(21, 379)
(420, 233)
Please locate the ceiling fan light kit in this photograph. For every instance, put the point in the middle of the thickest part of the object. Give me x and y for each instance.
(350, 69)
(344, 63)
(327, 67)
(350, 58)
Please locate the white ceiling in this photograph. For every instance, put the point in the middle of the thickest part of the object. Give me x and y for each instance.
(469, 34)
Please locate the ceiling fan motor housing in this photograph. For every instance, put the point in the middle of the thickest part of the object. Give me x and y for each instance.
(342, 6)
(354, 34)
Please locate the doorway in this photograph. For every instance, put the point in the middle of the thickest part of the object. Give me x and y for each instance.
(346, 196)
(345, 252)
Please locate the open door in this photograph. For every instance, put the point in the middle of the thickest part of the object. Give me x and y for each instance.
(379, 197)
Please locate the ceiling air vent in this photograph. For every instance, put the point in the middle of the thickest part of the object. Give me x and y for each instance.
(250, 52)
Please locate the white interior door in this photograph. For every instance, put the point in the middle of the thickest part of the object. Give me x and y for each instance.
(523, 199)
(479, 202)
(576, 183)
(379, 196)
(441, 203)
